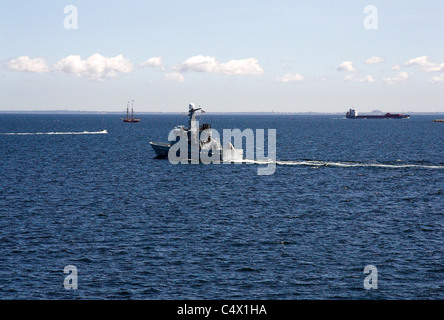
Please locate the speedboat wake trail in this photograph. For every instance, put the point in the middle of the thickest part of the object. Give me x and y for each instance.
(52, 133)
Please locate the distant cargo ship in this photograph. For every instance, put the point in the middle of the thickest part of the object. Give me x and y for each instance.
(353, 114)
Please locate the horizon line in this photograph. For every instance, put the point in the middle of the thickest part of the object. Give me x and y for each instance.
(62, 111)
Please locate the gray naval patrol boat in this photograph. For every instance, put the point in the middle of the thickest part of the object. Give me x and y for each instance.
(199, 136)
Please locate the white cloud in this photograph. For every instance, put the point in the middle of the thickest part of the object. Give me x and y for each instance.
(174, 77)
(436, 79)
(153, 62)
(244, 66)
(96, 67)
(26, 64)
(396, 67)
(368, 78)
(291, 78)
(346, 66)
(401, 77)
(351, 77)
(374, 60)
(425, 64)
(198, 64)
(208, 64)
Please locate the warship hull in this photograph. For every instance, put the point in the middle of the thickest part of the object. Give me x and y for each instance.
(226, 154)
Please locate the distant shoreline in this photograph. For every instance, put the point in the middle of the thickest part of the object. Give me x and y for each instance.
(210, 113)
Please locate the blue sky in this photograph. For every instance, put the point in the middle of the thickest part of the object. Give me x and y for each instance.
(286, 56)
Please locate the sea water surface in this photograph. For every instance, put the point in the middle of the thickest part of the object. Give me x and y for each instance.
(345, 194)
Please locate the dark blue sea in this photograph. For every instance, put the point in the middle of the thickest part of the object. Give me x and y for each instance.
(345, 194)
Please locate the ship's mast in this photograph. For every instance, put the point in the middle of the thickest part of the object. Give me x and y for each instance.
(127, 110)
(193, 133)
(191, 115)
